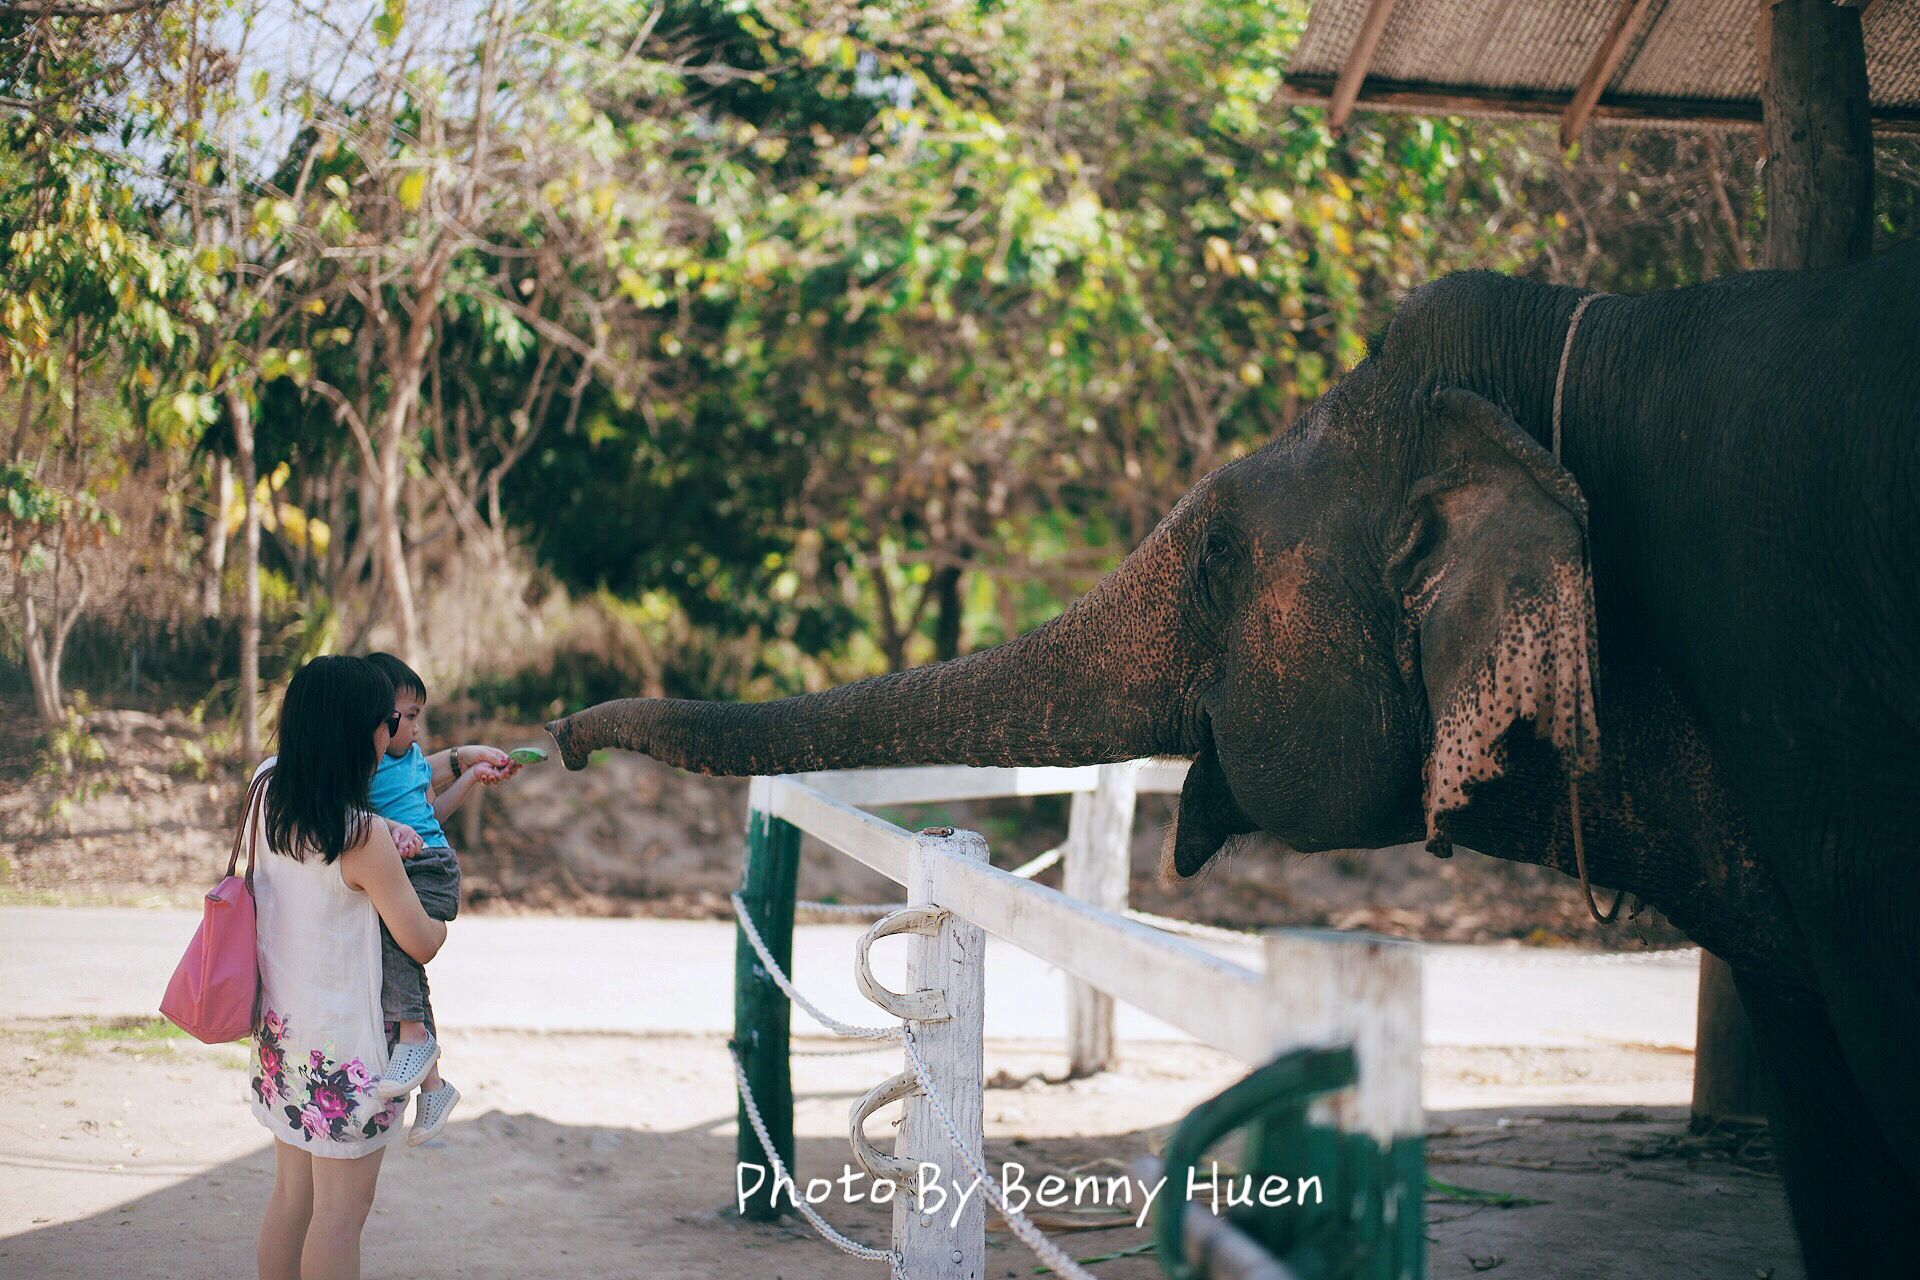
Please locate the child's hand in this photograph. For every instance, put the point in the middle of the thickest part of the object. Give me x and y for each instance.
(491, 766)
(405, 839)
(479, 754)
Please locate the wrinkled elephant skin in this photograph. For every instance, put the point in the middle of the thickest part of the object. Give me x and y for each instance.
(1406, 618)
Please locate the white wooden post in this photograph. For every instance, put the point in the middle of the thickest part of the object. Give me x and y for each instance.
(1339, 988)
(1360, 989)
(1098, 860)
(932, 1244)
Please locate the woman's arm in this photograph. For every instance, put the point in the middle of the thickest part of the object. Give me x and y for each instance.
(373, 867)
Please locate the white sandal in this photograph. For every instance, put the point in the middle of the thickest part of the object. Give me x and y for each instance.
(430, 1112)
(408, 1066)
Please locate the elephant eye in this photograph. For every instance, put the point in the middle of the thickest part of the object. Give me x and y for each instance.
(1212, 568)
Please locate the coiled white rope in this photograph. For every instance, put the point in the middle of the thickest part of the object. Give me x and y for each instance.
(1193, 928)
(820, 1224)
(1032, 1236)
(847, 908)
(780, 980)
(836, 1053)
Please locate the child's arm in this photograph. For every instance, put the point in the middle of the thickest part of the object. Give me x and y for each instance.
(494, 767)
(450, 764)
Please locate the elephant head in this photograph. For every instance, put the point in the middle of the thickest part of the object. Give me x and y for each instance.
(1340, 629)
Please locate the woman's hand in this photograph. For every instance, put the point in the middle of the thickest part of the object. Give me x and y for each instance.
(373, 867)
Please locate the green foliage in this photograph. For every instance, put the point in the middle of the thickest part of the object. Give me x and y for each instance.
(1043, 281)
(70, 748)
(69, 758)
(797, 339)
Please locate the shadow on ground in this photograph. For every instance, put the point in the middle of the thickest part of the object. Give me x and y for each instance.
(518, 1195)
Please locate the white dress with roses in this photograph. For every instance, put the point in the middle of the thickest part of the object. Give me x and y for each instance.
(319, 1048)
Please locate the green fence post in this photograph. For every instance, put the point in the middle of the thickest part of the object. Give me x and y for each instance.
(761, 1011)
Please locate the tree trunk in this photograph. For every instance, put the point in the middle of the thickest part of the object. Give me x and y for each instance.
(408, 358)
(948, 609)
(393, 557)
(213, 556)
(241, 414)
(49, 699)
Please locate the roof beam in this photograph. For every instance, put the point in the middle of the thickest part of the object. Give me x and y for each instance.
(1600, 71)
(1314, 89)
(1359, 58)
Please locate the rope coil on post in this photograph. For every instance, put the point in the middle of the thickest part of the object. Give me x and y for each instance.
(1030, 1235)
(792, 993)
(820, 1224)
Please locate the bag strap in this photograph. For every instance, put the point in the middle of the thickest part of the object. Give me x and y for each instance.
(247, 828)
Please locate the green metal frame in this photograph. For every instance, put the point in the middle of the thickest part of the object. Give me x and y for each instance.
(1368, 1224)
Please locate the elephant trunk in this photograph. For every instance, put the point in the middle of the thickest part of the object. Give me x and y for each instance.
(1104, 681)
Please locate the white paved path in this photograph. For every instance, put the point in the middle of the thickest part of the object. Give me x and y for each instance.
(666, 976)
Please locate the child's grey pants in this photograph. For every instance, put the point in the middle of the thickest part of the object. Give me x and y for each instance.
(435, 875)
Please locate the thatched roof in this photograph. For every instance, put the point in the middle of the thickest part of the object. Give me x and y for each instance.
(1675, 61)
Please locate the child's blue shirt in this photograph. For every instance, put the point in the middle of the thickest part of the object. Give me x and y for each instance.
(401, 792)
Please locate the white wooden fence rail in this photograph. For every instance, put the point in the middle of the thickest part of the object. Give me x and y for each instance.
(1149, 969)
(1098, 849)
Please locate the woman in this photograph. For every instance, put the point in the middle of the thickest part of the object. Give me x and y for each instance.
(328, 878)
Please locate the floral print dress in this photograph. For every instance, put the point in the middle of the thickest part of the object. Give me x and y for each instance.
(319, 1048)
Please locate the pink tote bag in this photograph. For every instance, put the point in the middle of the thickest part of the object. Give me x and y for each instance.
(214, 989)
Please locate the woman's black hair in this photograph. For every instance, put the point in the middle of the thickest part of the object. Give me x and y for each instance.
(405, 678)
(317, 798)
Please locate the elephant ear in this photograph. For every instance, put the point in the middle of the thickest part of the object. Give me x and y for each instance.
(1498, 596)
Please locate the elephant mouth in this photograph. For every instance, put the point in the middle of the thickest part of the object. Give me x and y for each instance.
(1207, 818)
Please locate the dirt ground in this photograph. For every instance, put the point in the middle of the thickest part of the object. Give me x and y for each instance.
(613, 1156)
(123, 1153)
(629, 836)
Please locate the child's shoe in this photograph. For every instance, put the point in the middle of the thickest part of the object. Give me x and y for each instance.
(408, 1066)
(430, 1112)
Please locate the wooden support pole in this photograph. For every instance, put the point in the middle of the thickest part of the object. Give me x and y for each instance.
(1098, 861)
(1819, 171)
(937, 1239)
(1354, 73)
(762, 1015)
(1728, 1076)
(1600, 71)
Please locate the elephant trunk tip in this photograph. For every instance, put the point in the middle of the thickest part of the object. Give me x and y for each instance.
(564, 735)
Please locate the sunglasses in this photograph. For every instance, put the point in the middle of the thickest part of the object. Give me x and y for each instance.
(393, 723)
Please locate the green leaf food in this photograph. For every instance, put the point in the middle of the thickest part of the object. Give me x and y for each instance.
(526, 755)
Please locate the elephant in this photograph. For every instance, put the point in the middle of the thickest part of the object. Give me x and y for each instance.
(1675, 533)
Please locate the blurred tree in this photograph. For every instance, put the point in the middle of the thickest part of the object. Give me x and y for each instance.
(90, 300)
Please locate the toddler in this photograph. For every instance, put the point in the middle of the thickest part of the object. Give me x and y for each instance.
(413, 792)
